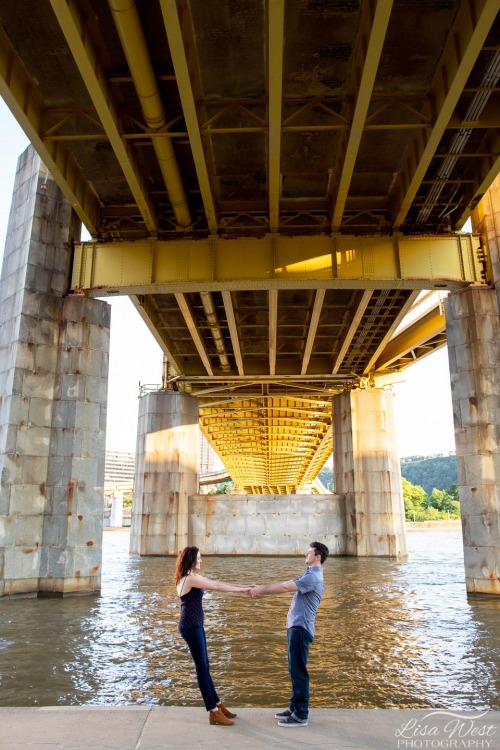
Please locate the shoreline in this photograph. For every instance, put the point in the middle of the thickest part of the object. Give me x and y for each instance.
(455, 523)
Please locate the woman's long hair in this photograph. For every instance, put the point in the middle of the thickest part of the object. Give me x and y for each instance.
(185, 562)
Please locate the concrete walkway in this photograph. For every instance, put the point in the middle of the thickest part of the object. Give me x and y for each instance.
(151, 728)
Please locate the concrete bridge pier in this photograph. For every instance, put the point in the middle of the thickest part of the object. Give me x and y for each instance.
(473, 333)
(53, 386)
(367, 472)
(166, 472)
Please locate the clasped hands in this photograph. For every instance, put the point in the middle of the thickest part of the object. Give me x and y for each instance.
(253, 590)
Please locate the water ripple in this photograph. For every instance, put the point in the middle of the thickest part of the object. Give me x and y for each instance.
(389, 634)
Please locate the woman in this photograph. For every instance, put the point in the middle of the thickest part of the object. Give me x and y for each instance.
(190, 586)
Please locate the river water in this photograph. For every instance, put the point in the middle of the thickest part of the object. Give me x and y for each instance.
(388, 634)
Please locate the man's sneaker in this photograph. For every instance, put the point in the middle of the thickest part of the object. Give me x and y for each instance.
(292, 721)
(283, 714)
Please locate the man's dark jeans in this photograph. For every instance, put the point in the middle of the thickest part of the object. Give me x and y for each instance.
(299, 641)
(197, 642)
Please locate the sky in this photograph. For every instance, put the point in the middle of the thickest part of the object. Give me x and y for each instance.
(422, 404)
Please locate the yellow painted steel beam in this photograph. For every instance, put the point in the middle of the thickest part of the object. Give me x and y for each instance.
(277, 262)
(240, 432)
(473, 22)
(182, 72)
(234, 408)
(373, 27)
(188, 316)
(422, 330)
(79, 41)
(273, 329)
(232, 425)
(314, 412)
(240, 429)
(313, 327)
(318, 460)
(233, 330)
(128, 25)
(356, 320)
(275, 47)
(397, 321)
(22, 98)
(289, 452)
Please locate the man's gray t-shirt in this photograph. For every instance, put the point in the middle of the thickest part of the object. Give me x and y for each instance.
(306, 600)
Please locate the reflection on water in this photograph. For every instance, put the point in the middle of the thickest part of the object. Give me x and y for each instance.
(389, 634)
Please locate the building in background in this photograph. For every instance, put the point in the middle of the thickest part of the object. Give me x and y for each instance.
(209, 460)
(119, 470)
(120, 467)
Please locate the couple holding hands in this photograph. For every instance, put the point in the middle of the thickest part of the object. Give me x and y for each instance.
(307, 591)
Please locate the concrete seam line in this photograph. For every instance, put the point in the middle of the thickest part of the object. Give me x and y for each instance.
(139, 740)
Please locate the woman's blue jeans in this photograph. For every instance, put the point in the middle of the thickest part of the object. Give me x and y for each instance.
(197, 642)
(299, 640)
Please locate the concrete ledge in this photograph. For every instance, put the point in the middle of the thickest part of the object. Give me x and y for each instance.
(151, 728)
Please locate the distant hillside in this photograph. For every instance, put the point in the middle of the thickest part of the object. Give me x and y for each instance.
(438, 472)
(429, 472)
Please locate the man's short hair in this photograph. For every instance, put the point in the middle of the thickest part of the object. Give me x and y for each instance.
(321, 549)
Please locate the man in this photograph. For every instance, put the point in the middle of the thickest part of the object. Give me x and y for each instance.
(308, 590)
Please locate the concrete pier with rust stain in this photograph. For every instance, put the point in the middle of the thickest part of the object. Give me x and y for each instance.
(53, 386)
(368, 473)
(166, 472)
(473, 333)
(366, 517)
(473, 330)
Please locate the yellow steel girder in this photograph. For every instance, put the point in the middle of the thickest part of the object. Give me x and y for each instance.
(363, 73)
(414, 336)
(465, 41)
(275, 28)
(273, 440)
(277, 262)
(82, 49)
(21, 95)
(182, 71)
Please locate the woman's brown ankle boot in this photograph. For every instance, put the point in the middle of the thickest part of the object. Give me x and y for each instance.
(217, 717)
(226, 711)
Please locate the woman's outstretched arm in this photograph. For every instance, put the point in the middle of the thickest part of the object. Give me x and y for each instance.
(200, 582)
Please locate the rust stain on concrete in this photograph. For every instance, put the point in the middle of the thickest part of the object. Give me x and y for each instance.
(90, 543)
(71, 490)
(30, 550)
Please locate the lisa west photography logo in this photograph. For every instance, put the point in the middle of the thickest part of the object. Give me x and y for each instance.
(447, 729)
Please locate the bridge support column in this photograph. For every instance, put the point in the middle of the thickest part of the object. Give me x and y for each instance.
(367, 472)
(53, 386)
(473, 333)
(166, 472)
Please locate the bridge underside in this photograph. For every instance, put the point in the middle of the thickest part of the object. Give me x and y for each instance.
(272, 183)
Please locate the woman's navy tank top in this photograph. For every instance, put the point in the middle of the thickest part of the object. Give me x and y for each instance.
(191, 610)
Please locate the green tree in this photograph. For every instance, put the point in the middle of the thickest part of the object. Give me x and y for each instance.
(445, 502)
(415, 501)
(431, 471)
(223, 488)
